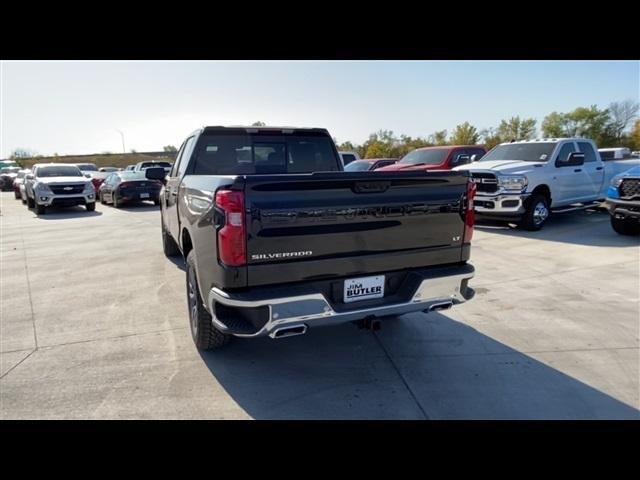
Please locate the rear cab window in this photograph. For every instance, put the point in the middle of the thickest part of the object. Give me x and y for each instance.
(238, 152)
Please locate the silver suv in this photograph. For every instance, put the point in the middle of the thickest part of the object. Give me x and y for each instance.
(58, 184)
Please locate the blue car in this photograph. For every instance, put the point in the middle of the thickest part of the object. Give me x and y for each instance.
(623, 202)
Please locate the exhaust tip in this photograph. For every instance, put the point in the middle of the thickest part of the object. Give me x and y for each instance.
(289, 331)
(440, 306)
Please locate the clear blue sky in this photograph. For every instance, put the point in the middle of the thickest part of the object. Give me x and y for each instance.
(75, 107)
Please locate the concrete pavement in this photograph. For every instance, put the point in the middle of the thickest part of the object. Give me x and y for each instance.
(94, 325)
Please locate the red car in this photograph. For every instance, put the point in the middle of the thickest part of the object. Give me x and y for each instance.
(443, 157)
(97, 178)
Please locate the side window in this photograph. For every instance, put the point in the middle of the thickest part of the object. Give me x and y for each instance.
(477, 152)
(174, 168)
(348, 158)
(184, 158)
(587, 149)
(455, 158)
(565, 151)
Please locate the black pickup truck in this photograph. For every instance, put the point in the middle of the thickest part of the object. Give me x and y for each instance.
(278, 238)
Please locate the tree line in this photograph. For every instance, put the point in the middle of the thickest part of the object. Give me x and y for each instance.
(608, 127)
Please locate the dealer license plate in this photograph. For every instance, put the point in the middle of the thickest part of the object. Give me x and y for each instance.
(365, 288)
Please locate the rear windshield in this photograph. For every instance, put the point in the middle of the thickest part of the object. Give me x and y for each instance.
(526, 152)
(357, 166)
(155, 164)
(87, 167)
(59, 171)
(132, 175)
(425, 157)
(247, 154)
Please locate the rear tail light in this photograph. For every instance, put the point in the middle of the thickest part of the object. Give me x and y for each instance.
(469, 219)
(231, 237)
(125, 185)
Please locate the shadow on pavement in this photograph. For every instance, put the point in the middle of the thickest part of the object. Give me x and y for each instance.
(179, 262)
(135, 207)
(63, 213)
(453, 370)
(589, 227)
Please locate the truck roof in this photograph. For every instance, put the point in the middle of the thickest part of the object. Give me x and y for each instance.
(546, 140)
(254, 129)
(433, 147)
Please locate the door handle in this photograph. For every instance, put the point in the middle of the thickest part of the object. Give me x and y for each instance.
(598, 168)
(578, 170)
(174, 193)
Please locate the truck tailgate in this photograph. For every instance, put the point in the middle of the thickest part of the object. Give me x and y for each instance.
(325, 225)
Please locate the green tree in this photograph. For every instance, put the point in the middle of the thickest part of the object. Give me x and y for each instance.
(554, 125)
(258, 124)
(517, 128)
(584, 122)
(634, 136)
(438, 138)
(490, 138)
(464, 134)
(621, 115)
(170, 148)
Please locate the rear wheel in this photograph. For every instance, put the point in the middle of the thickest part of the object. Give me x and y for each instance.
(114, 200)
(102, 199)
(205, 335)
(17, 195)
(31, 203)
(625, 226)
(40, 209)
(536, 214)
(168, 243)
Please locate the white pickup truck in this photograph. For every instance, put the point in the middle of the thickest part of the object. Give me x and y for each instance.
(524, 182)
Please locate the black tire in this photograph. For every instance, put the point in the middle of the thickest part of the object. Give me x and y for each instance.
(536, 214)
(31, 203)
(24, 202)
(205, 335)
(625, 226)
(169, 245)
(156, 202)
(90, 206)
(17, 195)
(114, 200)
(102, 199)
(40, 209)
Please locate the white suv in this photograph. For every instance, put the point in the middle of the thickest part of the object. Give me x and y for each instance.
(58, 184)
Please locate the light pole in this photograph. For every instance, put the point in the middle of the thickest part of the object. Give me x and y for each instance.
(122, 135)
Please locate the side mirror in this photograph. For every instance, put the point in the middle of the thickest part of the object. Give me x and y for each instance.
(475, 157)
(155, 173)
(575, 159)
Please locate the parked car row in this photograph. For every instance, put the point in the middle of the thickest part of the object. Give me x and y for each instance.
(61, 185)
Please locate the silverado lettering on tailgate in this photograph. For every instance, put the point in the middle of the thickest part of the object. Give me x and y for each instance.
(273, 256)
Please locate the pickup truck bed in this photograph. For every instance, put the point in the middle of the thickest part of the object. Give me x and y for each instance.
(275, 254)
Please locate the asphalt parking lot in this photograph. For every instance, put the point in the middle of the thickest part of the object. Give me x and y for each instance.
(94, 326)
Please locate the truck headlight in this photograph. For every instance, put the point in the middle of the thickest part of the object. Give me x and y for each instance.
(42, 188)
(516, 183)
(616, 181)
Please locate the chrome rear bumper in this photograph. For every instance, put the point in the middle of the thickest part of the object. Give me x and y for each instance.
(314, 310)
